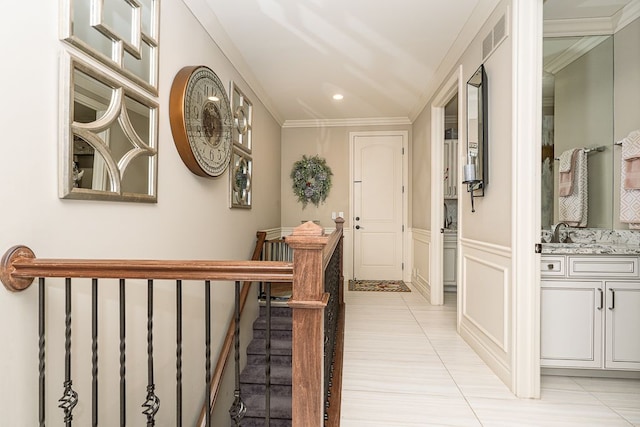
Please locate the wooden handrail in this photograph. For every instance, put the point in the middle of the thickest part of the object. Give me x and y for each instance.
(19, 266)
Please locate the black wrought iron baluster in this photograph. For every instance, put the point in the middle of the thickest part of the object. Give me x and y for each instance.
(238, 409)
(332, 286)
(94, 352)
(152, 403)
(41, 339)
(123, 367)
(69, 398)
(179, 353)
(267, 357)
(207, 348)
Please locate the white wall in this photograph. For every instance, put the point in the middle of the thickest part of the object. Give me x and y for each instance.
(190, 221)
(485, 284)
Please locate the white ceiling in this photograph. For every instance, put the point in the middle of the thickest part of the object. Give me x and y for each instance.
(385, 57)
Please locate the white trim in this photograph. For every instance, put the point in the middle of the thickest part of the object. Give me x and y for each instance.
(490, 248)
(420, 282)
(486, 353)
(405, 195)
(453, 85)
(593, 26)
(319, 123)
(576, 50)
(504, 269)
(525, 195)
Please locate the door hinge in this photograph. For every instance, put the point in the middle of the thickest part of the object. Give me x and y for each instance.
(403, 151)
(403, 189)
(402, 227)
(403, 266)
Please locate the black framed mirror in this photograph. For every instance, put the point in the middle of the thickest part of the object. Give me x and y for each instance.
(476, 171)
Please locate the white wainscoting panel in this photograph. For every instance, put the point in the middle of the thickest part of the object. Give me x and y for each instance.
(421, 250)
(485, 303)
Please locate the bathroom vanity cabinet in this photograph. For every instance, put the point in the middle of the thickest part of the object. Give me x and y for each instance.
(590, 312)
(450, 253)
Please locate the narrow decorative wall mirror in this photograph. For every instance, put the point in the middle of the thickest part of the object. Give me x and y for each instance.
(109, 102)
(108, 137)
(476, 174)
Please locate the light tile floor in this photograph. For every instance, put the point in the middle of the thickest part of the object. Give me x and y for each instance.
(405, 365)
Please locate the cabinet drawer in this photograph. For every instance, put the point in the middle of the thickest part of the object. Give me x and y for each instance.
(609, 266)
(552, 266)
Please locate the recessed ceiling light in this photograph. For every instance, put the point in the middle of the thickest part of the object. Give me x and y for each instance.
(338, 96)
(213, 98)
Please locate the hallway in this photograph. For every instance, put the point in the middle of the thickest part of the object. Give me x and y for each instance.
(405, 365)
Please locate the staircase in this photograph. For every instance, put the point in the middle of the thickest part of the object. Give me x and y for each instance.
(252, 378)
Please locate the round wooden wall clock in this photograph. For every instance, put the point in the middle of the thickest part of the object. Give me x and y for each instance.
(201, 120)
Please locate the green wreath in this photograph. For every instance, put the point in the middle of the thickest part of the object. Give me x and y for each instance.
(311, 180)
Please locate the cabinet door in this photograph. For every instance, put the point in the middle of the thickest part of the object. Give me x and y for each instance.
(449, 270)
(622, 325)
(571, 324)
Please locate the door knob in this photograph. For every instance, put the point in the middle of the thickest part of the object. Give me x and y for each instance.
(358, 227)
(357, 218)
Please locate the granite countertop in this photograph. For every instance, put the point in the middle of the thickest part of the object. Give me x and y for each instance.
(590, 249)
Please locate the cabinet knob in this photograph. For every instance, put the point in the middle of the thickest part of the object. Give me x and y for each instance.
(549, 266)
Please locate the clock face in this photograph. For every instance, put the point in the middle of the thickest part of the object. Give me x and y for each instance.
(202, 125)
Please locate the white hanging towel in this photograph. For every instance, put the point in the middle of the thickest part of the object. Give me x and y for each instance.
(629, 188)
(573, 208)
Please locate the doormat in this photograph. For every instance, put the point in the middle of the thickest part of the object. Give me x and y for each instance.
(378, 285)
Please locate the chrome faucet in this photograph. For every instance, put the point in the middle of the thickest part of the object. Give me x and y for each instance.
(555, 232)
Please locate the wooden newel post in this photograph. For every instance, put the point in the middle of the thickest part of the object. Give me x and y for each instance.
(308, 302)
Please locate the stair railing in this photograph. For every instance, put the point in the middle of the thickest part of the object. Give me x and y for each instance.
(19, 266)
(313, 251)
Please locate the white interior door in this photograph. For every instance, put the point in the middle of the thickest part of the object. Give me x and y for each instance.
(377, 206)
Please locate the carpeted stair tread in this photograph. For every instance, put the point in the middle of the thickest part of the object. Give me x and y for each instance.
(254, 374)
(276, 311)
(280, 410)
(279, 347)
(278, 323)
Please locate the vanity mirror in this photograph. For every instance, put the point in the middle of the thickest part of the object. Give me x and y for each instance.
(590, 88)
(578, 114)
(475, 171)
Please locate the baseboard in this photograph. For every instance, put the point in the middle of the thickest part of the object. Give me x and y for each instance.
(593, 373)
(495, 363)
(422, 287)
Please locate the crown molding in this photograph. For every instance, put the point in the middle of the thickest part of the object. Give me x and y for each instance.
(320, 123)
(593, 26)
(627, 15)
(576, 50)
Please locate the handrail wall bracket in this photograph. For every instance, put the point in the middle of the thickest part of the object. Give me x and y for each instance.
(12, 283)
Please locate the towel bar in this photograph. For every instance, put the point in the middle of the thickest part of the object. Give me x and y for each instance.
(590, 150)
